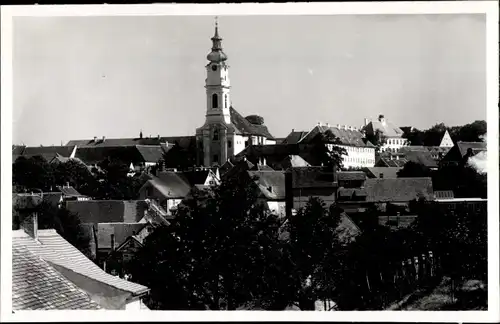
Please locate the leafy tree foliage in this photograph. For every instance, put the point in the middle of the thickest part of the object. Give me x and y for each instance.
(215, 254)
(465, 181)
(413, 170)
(109, 181)
(180, 157)
(378, 139)
(472, 132)
(327, 150)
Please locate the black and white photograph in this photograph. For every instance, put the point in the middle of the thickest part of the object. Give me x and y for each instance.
(251, 158)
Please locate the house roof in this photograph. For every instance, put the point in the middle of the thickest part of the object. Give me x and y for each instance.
(351, 176)
(96, 154)
(270, 183)
(312, 177)
(347, 230)
(196, 177)
(150, 153)
(347, 137)
(226, 167)
(52, 248)
(69, 191)
(293, 161)
(53, 198)
(375, 172)
(48, 151)
(170, 184)
(244, 127)
(424, 158)
(108, 211)
(397, 190)
(476, 147)
(240, 166)
(294, 137)
(36, 285)
(387, 128)
(391, 163)
(402, 221)
(121, 232)
(18, 149)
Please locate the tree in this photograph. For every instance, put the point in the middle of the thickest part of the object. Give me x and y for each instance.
(180, 157)
(215, 253)
(434, 135)
(465, 181)
(315, 248)
(415, 137)
(327, 150)
(377, 138)
(33, 173)
(413, 170)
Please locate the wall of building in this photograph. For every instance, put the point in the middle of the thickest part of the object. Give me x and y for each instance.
(136, 305)
(357, 157)
(239, 143)
(393, 144)
(277, 207)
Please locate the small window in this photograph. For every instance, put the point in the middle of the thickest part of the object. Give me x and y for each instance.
(216, 158)
(225, 101)
(215, 101)
(216, 135)
(229, 144)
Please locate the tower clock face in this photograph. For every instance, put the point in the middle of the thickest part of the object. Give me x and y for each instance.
(214, 67)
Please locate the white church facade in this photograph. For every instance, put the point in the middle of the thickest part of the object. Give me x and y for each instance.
(225, 132)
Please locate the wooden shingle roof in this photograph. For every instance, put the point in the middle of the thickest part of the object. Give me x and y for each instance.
(36, 285)
(52, 248)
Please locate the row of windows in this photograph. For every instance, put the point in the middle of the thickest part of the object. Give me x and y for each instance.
(394, 141)
(357, 149)
(359, 160)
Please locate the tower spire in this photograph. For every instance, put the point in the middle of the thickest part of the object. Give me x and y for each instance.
(217, 55)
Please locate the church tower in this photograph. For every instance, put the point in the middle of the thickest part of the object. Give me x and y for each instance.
(225, 132)
(214, 137)
(217, 83)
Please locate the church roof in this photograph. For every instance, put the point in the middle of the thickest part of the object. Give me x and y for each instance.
(244, 127)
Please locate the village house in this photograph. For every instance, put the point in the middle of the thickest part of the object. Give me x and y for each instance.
(404, 155)
(51, 154)
(109, 292)
(392, 134)
(359, 151)
(461, 152)
(304, 182)
(169, 188)
(382, 172)
(271, 188)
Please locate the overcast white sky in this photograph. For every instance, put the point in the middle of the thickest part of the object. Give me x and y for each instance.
(80, 77)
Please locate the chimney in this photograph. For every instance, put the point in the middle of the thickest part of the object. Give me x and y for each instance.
(327, 125)
(381, 119)
(346, 127)
(140, 134)
(319, 123)
(95, 139)
(67, 184)
(103, 138)
(366, 121)
(381, 175)
(264, 162)
(338, 126)
(112, 242)
(29, 223)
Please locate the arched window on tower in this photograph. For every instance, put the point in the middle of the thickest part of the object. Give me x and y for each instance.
(216, 135)
(215, 103)
(225, 101)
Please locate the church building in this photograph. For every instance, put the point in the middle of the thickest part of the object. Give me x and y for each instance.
(225, 132)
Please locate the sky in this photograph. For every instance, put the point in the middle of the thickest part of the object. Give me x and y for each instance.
(80, 77)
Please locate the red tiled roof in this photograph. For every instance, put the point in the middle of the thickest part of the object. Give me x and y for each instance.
(52, 248)
(38, 286)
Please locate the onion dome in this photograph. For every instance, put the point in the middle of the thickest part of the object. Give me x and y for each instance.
(216, 55)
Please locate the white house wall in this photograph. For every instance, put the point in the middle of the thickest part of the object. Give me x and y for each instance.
(357, 157)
